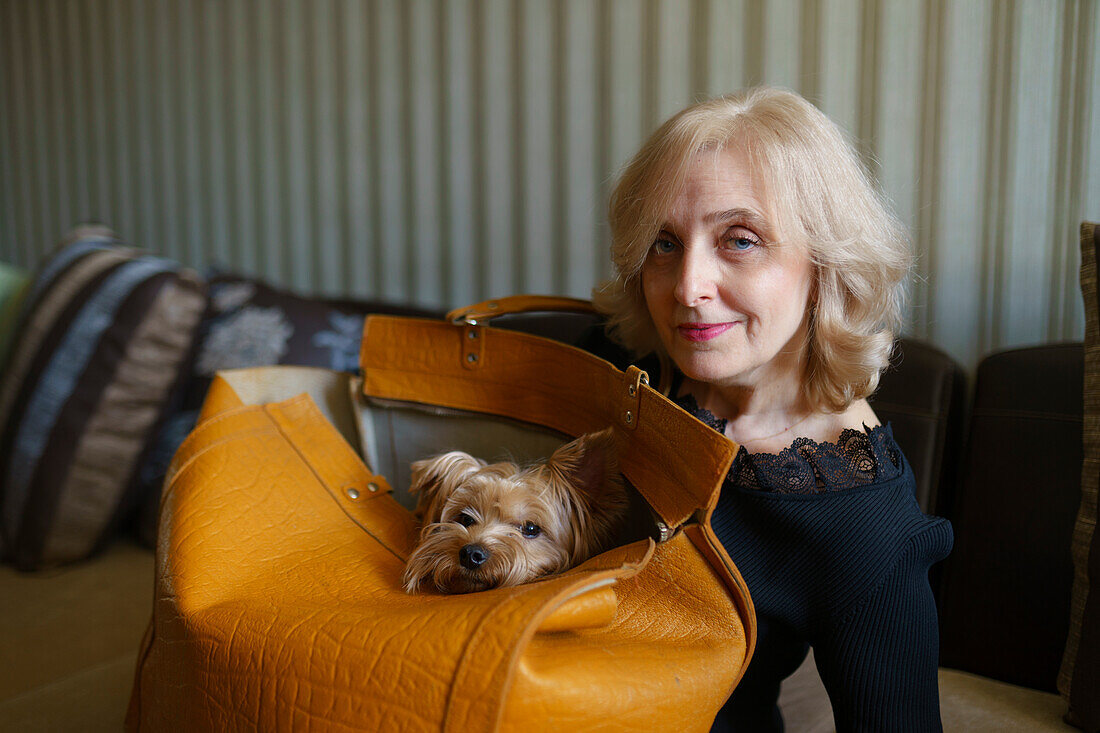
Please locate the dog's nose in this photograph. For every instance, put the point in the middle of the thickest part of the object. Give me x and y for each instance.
(473, 557)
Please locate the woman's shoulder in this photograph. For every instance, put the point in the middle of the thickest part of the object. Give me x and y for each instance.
(859, 458)
(856, 496)
(858, 414)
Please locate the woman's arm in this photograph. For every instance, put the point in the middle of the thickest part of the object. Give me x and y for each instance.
(880, 663)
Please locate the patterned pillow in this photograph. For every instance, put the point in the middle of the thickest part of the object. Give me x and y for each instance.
(1079, 679)
(99, 348)
(249, 323)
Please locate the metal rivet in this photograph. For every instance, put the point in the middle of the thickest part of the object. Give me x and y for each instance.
(471, 358)
(492, 305)
(629, 417)
(353, 492)
(373, 488)
(632, 390)
(471, 335)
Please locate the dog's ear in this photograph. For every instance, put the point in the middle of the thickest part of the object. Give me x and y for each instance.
(588, 468)
(433, 480)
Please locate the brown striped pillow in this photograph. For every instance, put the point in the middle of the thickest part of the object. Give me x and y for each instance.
(104, 335)
(1079, 679)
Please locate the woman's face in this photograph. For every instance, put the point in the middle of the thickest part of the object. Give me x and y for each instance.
(727, 294)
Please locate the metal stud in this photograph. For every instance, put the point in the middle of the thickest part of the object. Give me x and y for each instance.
(629, 417)
(372, 487)
(353, 492)
(471, 358)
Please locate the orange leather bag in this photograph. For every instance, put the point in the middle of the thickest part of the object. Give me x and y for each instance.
(278, 602)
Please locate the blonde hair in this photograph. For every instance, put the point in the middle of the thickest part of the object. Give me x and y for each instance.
(820, 195)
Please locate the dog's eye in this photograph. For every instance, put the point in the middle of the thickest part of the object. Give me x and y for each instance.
(466, 520)
(530, 530)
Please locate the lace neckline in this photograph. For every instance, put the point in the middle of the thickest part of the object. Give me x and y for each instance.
(857, 458)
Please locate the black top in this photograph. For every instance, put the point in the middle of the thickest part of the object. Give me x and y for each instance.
(835, 553)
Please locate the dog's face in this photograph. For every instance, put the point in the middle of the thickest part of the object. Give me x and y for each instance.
(495, 525)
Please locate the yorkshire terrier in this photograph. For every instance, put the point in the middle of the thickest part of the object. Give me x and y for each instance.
(494, 525)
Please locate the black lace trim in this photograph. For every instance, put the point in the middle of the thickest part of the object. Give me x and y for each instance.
(857, 458)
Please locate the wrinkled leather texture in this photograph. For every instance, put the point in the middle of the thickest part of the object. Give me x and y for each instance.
(278, 606)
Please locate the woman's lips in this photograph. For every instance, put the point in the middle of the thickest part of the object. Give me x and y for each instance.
(702, 331)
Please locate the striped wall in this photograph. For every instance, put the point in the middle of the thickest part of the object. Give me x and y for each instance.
(443, 151)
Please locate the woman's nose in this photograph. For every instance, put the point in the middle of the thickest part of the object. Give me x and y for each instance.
(696, 282)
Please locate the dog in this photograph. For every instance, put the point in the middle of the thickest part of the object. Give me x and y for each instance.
(495, 525)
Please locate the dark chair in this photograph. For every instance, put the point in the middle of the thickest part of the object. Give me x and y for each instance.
(923, 397)
(1006, 586)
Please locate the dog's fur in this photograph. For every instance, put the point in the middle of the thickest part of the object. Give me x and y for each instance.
(479, 519)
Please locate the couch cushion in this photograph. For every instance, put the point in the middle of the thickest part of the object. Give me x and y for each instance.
(1079, 678)
(1006, 586)
(103, 335)
(967, 703)
(981, 705)
(72, 637)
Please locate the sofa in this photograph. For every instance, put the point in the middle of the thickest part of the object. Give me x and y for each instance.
(1001, 453)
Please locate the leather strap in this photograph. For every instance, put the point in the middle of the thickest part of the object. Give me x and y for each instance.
(487, 668)
(478, 313)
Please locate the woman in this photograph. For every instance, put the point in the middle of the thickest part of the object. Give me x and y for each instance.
(750, 248)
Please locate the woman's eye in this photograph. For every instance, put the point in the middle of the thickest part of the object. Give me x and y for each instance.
(530, 530)
(741, 241)
(664, 247)
(466, 520)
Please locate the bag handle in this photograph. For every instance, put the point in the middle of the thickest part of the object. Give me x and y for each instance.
(478, 313)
